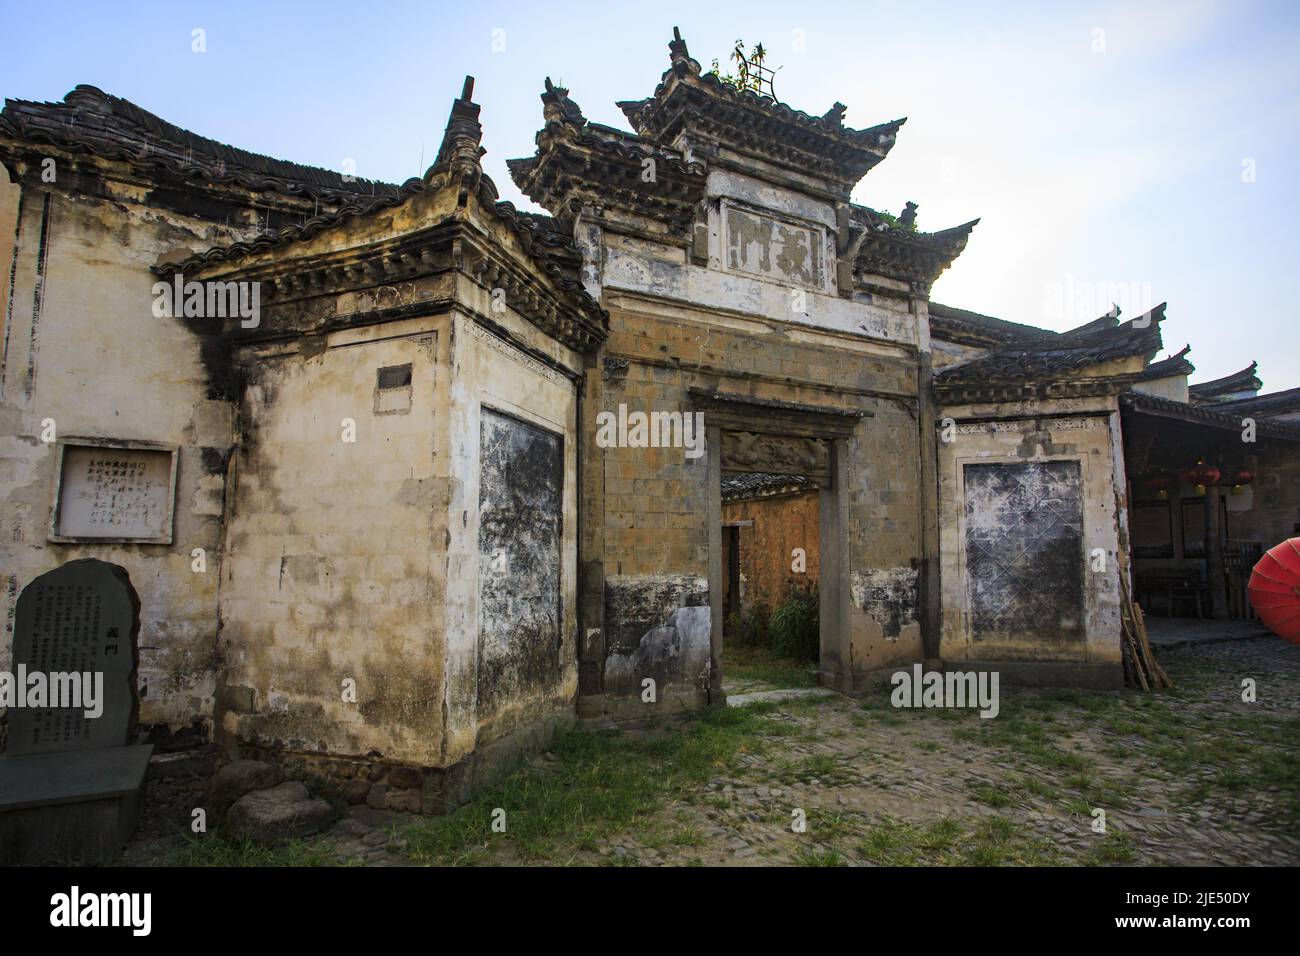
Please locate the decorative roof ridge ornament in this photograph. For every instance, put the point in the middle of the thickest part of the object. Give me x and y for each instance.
(461, 150)
(558, 107)
(678, 53)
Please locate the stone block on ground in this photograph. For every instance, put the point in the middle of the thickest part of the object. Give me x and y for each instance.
(236, 779)
(199, 762)
(280, 813)
(356, 791)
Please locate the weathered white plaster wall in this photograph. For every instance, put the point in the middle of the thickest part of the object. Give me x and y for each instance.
(83, 348)
(1084, 438)
(485, 370)
(335, 549)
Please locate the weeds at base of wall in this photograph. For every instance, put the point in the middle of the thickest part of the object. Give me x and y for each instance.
(791, 631)
(795, 625)
(597, 784)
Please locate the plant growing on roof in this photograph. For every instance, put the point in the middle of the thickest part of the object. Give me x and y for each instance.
(751, 71)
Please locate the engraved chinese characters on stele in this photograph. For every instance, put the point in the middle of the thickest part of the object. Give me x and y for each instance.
(83, 617)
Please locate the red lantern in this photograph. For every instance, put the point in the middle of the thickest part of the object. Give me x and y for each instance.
(1207, 474)
(1160, 482)
(1200, 475)
(1243, 477)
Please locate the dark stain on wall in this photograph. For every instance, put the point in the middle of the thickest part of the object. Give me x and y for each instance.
(891, 596)
(520, 526)
(214, 460)
(1024, 550)
(658, 628)
(635, 606)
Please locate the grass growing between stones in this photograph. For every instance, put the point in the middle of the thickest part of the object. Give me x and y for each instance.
(1193, 775)
(749, 663)
(991, 841)
(601, 783)
(216, 850)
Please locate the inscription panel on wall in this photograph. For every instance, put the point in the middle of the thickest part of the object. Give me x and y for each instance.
(1024, 550)
(765, 246)
(114, 493)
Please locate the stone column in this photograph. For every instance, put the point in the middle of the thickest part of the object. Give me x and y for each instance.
(835, 664)
(930, 596)
(713, 439)
(591, 543)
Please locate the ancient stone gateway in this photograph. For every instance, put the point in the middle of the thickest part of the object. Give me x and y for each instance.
(459, 483)
(769, 436)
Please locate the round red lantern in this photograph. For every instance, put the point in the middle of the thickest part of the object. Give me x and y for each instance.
(1160, 482)
(1200, 475)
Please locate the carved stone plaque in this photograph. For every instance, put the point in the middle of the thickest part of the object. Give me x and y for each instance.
(776, 454)
(115, 494)
(781, 251)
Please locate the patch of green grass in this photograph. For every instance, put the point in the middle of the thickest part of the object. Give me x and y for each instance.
(991, 841)
(602, 782)
(887, 716)
(990, 794)
(827, 769)
(819, 765)
(750, 663)
(997, 842)
(890, 844)
(216, 850)
(1039, 788)
(830, 824)
(819, 856)
(1111, 848)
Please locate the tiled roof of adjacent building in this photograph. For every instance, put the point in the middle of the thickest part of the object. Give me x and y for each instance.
(1177, 364)
(1091, 344)
(92, 121)
(763, 484)
(1205, 415)
(949, 322)
(1244, 381)
(1276, 403)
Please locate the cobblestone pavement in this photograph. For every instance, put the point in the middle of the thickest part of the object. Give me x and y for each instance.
(1171, 631)
(1196, 775)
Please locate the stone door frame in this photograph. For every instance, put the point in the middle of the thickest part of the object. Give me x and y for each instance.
(782, 419)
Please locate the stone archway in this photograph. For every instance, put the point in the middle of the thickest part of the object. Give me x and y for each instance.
(748, 434)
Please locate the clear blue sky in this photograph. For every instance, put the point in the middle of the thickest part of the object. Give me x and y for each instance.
(1101, 144)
